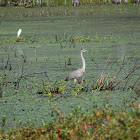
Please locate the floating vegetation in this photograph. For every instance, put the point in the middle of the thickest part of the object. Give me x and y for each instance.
(34, 66)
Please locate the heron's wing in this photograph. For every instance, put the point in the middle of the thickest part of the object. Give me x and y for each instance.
(75, 74)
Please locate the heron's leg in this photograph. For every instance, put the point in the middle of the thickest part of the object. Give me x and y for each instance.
(82, 81)
(74, 82)
(79, 81)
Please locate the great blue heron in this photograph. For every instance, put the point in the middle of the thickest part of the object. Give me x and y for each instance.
(19, 32)
(77, 74)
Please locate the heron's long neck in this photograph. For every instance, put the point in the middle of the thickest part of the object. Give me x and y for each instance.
(83, 60)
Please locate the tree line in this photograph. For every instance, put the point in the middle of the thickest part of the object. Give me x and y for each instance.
(32, 3)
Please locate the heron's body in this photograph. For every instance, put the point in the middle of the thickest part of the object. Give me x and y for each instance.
(77, 74)
(19, 32)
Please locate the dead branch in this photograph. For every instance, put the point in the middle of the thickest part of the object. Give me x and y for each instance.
(106, 64)
(128, 81)
(102, 82)
(22, 55)
(110, 83)
(6, 66)
(24, 58)
(112, 80)
(0, 91)
(47, 76)
(136, 82)
(5, 82)
(95, 62)
(69, 62)
(18, 81)
(126, 76)
(58, 111)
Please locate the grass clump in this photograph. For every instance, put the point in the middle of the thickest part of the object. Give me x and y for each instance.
(101, 124)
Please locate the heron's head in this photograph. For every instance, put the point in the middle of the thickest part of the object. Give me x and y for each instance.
(20, 30)
(84, 50)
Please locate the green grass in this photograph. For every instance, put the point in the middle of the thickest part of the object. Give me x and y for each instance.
(49, 38)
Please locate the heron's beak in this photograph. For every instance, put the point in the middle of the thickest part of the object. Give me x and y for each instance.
(87, 51)
(84, 50)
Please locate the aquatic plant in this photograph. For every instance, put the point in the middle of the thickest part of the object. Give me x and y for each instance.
(78, 124)
(86, 38)
(77, 90)
(51, 89)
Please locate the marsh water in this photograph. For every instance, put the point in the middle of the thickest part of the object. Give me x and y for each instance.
(48, 41)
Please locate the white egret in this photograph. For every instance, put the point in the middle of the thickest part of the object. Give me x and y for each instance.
(19, 32)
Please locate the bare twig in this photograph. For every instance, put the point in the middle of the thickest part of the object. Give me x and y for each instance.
(0, 91)
(126, 76)
(69, 61)
(59, 59)
(65, 61)
(95, 62)
(47, 76)
(56, 38)
(35, 56)
(117, 73)
(136, 82)
(24, 58)
(18, 81)
(106, 64)
(128, 81)
(102, 81)
(5, 66)
(110, 84)
(58, 111)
